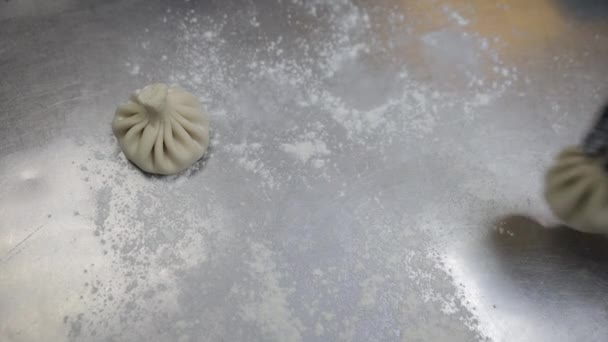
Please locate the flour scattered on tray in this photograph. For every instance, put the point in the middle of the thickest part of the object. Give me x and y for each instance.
(269, 309)
(304, 150)
(293, 111)
(141, 242)
(456, 17)
(249, 156)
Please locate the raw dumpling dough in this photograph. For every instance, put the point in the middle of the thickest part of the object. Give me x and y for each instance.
(576, 188)
(162, 129)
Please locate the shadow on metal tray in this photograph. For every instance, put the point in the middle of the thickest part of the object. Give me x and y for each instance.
(584, 9)
(561, 260)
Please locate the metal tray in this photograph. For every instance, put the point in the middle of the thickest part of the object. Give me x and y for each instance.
(375, 172)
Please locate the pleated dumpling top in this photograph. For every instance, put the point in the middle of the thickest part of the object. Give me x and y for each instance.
(162, 129)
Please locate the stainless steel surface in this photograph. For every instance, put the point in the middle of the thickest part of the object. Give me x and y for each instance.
(375, 172)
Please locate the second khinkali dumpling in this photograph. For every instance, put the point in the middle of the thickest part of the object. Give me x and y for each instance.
(576, 188)
(162, 129)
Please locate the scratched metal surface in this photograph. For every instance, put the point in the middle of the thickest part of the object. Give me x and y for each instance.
(375, 172)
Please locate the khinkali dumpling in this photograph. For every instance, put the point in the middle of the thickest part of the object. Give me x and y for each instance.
(576, 188)
(162, 129)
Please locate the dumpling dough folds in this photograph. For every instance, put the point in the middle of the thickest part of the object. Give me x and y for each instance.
(576, 188)
(162, 129)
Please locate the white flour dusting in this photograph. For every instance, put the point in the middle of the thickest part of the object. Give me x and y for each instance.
(306, 88)
(135, 68)
(44, 246)
(455, 16)
(304, 150)
(269, 308)
(249, 157)
(413, 110)
(108, 236)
